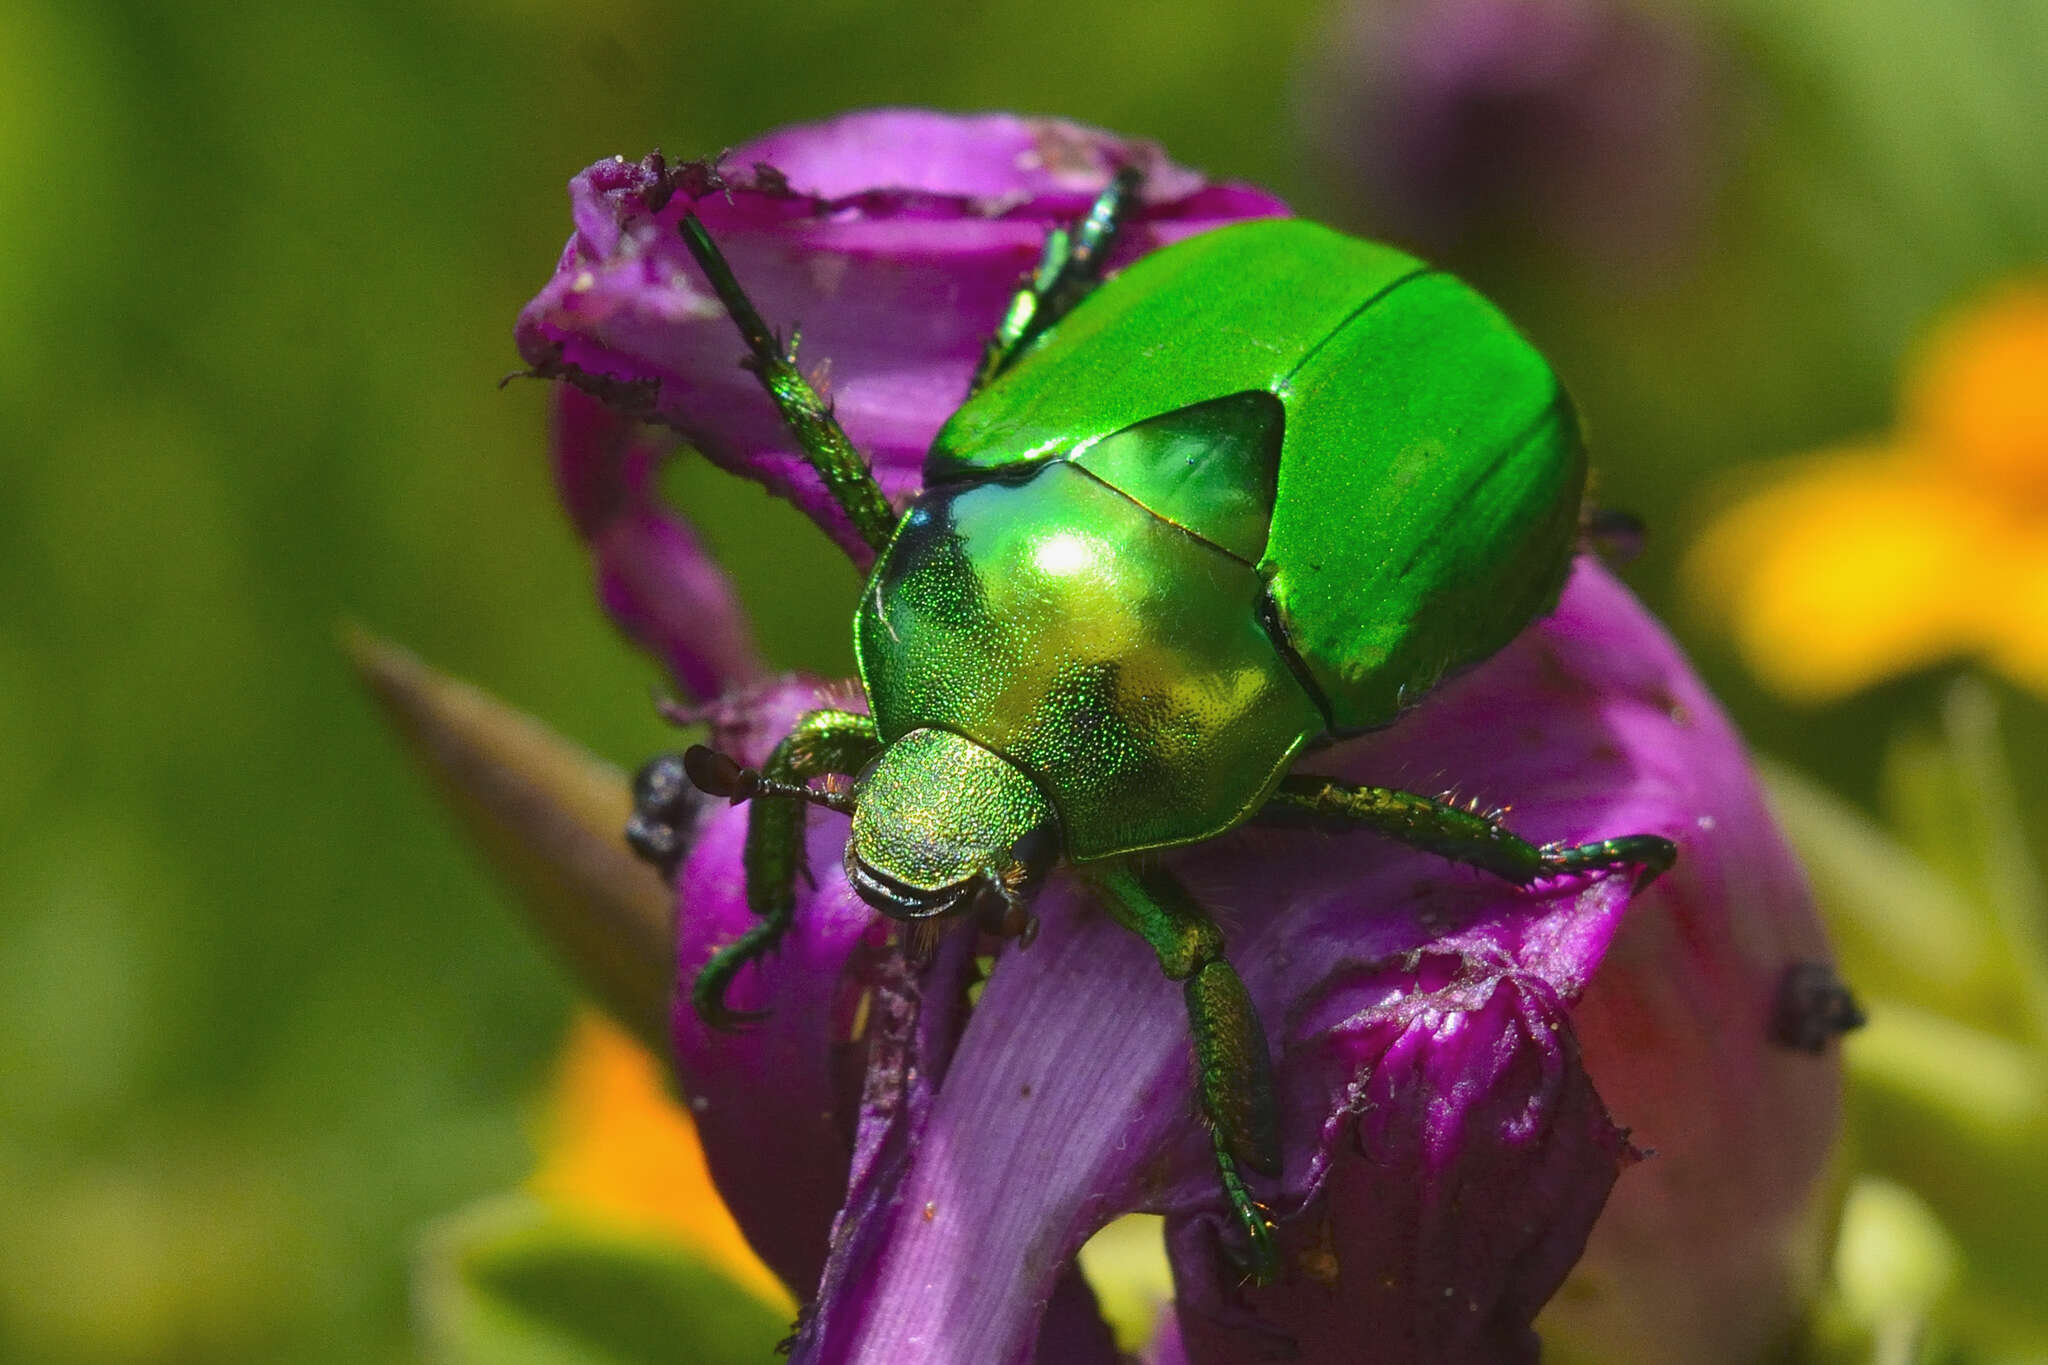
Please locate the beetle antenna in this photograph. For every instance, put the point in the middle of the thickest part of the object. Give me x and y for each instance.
(717, 774)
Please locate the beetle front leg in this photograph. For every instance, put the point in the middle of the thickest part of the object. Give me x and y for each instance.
(1233, 1070)
(1461, 835)
(807, 417)
(1069, 268)
(822, 743)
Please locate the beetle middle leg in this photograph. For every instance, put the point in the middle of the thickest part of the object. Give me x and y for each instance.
(823, 742)
(1069, 268)
(1234, 1071)
(1461, 835)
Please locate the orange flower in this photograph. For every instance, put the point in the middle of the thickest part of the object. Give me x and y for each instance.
(619, 1149)
(1927, 545)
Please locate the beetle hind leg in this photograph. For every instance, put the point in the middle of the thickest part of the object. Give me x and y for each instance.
(823, 742)
(1233, 1069)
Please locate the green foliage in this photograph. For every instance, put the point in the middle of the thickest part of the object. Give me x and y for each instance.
(261, 1014)
(1939, 923)
(513, 1282)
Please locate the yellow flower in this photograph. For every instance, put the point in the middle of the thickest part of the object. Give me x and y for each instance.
(1927, 545)
(618, 1149)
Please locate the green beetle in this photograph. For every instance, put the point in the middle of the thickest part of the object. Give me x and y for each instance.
(1260, 491)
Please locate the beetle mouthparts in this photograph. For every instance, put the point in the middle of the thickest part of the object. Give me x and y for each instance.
(899, 900)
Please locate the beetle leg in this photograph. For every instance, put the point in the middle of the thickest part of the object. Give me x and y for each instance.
(1069, 268)
(1462, 835)
(1233, 1070)
(807, 416)
(823, 742)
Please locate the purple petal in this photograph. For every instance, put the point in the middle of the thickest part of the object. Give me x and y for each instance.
(1441, 1126)
(999, 159)
(1677, 1033)
(893, 240)
(1419, 1013)
(1166, 1346)
(773, 1104)
(780, 1150)
(1463, 1174)
(653, 578)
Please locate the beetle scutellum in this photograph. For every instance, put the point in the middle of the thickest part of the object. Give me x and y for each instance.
(1261, 490)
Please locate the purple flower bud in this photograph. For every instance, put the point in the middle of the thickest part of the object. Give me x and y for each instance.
(891, 240)
(1448, 1048)
(1588, 126)
(653, 576)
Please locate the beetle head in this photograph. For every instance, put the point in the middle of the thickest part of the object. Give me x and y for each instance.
(942, 826)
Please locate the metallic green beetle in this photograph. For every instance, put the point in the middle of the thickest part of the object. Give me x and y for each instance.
(1261, 490)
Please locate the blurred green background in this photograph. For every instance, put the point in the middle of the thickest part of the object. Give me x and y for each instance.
(261, 1017)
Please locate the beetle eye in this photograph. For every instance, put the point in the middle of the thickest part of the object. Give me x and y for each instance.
(1035, 852)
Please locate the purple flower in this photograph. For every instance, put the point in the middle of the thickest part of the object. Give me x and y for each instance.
(1590, 126)
(924, 1172)
(892, 239)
